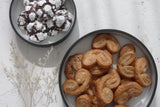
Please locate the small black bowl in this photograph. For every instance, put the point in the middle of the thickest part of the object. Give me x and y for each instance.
(17, 7)
(84, 44)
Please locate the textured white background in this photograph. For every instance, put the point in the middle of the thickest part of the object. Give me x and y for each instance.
(137, 17)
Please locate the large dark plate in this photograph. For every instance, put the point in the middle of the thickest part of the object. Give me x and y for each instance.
(84, 44)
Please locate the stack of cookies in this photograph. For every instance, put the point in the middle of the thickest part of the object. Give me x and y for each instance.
(96, 83)
(44, 18)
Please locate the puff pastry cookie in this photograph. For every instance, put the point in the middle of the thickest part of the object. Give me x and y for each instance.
(141, 66)
(83, 101)
(73, 63)
(96, 56)
(79, 85)
(106, 40)
(127, 91)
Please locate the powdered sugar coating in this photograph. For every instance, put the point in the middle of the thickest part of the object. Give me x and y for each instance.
(58, 3)
(39, 12)
(44, 10)
(34, 27)
(33, 4)
(41, 36)
(61, 12)
(26, 2)
(36, 31)
(22, 20)
(30, 26)
(28, 8)
(63, 20)
(53, 32)
(32, 16)
(67, 26)
(43, 18)
(60, 20)
(38, 37)
(51, 1)
(33, 38)
(70, 16)
(48, 9)
(41, 2)
(49, 23)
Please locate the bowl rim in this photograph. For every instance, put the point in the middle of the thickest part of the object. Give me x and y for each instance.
(43, 45)
(109, 30)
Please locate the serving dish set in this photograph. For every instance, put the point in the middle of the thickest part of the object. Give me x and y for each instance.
(83, 44)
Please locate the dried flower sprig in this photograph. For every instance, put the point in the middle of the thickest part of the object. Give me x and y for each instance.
(31, 81)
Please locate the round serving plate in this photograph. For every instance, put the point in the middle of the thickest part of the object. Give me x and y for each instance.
(17, 7)
(84, 44)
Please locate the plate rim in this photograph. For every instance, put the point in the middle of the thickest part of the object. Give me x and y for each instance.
(109, 30)
(43, 45)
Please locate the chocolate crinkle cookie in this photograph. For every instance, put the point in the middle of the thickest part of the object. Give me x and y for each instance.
(22, 20)
(36, 31)
(44, 18)
(61, 21)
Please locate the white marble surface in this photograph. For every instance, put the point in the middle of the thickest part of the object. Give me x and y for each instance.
(137, 17)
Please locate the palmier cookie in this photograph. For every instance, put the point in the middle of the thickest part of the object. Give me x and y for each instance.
(104, 94)
(93, 97)
(111, 80)
(127, 48)
(106, 40)
(123, 81)
(80, 84)
(127, 91)
(73, 63)
(92, 94)
(141, 66)
(105, 84)
(126, 71)
(127, 58)
(97, 71)
(83, 101)
(96, 56)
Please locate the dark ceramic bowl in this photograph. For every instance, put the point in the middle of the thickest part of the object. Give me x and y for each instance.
(17, 7)
(84, 44)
